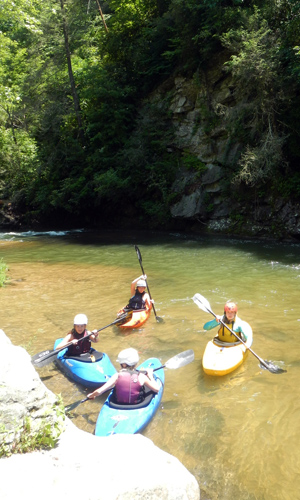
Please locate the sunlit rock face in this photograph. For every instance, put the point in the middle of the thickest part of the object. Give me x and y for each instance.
(24, 399)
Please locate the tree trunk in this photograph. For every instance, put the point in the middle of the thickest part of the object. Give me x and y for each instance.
(70, 71)
(102, 16)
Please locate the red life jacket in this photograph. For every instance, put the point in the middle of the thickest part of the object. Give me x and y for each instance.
(81, 347)
(128, 388)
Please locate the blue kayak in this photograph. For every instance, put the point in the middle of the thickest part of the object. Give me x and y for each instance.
(91, 369)
(130, 419)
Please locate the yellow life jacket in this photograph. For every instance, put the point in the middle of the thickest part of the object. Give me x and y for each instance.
(225, 335)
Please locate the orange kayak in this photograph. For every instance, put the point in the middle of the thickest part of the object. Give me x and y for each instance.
(137, 319)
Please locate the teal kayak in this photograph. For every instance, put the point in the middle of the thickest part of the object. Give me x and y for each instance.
(91, 369)
(130, 419)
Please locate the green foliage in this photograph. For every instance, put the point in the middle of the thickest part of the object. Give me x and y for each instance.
(45, 437)
(254, 66)
(124, 152)
(254, 63)
(191, 162)
(257, 164)
(287, 187)
(109, 183)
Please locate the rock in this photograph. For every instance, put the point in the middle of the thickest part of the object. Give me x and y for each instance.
(213, 174)
(81, 466)
(188, 206)
(24, 399)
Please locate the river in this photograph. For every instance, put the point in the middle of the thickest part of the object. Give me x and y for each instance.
(237, 434)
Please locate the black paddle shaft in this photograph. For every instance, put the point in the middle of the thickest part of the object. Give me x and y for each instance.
(269, 366)
(41, 358)
(140, 261)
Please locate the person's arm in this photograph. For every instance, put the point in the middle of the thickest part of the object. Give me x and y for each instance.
(149, 380)
(95, 336)
(244, 329)
(106, 387)
(132, 288)
(68, 338)
(211, 324)
(148, 301)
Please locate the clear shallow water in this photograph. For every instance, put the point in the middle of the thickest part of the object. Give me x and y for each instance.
(237, 434)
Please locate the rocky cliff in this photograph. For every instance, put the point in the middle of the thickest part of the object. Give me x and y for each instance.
(206, 198)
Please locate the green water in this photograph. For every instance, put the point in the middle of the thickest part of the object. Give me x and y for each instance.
(237, 434)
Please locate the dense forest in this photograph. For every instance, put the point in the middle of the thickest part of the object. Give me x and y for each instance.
(80, 140)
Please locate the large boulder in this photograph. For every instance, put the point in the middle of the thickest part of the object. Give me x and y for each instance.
(81, 466)
(26, 405)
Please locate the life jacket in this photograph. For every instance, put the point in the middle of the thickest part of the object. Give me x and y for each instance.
(81, 347)
(225, 335)
(128, 388)
(136, 301)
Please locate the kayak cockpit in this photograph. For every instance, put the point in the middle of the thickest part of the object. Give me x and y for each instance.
(149, 395)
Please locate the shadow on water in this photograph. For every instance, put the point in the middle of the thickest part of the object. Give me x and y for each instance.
(268, 250)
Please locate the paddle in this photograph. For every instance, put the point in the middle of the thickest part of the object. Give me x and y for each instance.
(177, 361)
(203, 304)
(45, 357)
(158, 319)
(74, 405)
(181, 359)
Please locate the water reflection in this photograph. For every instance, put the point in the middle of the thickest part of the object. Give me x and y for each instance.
(237, 434)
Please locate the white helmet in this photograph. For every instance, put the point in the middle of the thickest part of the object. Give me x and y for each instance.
(128, 356)
(141, 283)
(80, 319)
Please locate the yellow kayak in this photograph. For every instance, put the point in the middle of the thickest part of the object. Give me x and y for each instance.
(220, 358)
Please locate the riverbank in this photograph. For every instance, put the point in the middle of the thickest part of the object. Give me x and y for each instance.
(284, 226)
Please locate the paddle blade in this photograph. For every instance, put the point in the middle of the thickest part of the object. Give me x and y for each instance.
(44, 358)
(267, 365)
(39, 355)
(123, 318)
(181, 359)
(74, 405)
(202, 303)
(138, 253)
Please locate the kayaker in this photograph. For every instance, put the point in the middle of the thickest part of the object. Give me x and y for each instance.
(78, 332)
(129, 383)
(230, 318)
(139, 297)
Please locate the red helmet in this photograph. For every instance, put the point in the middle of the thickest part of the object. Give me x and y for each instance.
(230, 307)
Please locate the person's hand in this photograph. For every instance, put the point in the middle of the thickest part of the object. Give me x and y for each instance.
(144, 277)
(152, 301)
(95, 333)
(218, 318)
(74, 341)
(92, 395)
(149, 372)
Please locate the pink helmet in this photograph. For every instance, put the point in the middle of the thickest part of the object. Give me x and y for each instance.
(230, 307)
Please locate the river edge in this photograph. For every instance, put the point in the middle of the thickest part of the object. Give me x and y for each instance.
(184, 233)
(11, 221)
